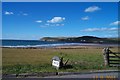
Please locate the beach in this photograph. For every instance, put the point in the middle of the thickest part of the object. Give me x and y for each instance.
(41, 39)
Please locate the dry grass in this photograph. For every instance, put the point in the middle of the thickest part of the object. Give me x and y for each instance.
(80, 59)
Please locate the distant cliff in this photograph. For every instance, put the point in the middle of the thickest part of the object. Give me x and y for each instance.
(53, 38)
(84, 39)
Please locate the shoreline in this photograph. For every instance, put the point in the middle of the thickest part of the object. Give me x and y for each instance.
(79, 46)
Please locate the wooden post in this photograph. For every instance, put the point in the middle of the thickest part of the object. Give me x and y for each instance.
(108, 53)
(106, 56)
(61, 62)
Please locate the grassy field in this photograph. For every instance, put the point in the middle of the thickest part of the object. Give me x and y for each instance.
(39, 60)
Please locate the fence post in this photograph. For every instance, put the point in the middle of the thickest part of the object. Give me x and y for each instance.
(106, 56)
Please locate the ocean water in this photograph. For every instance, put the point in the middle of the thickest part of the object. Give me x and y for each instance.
(33, 43)
(38, 43)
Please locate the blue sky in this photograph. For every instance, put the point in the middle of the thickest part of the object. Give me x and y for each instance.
(34, 20)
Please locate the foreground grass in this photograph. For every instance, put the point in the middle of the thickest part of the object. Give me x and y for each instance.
(39, 60)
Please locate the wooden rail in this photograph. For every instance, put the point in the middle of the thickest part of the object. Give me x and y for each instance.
(111, 58)
(114, 60)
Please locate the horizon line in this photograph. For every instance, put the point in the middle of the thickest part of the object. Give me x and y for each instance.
(50, 36)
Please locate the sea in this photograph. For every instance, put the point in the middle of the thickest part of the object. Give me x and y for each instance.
(38, 43)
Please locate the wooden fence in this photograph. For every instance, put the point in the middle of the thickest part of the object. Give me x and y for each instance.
(114, 59)
(111, 58)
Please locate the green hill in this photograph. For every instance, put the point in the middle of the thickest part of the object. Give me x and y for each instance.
(83, 39)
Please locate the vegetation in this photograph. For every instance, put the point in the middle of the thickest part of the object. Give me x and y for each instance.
(83, 39)
(39, 60)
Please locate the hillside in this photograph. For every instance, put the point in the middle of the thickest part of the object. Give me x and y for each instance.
(83, 39)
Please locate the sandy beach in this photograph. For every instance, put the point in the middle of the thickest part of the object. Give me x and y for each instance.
(79, 46)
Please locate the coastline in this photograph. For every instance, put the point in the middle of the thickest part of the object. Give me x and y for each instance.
(63, 46)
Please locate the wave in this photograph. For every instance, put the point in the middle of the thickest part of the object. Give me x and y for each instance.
(48, 45)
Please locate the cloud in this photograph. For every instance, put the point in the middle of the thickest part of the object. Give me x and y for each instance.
(115, 23)
(56, 25)
(52, 25)
(100, 29)
(85, 18)
(22, 13)
(59, 24)
(111, 35)
(38, 21)
(47, 24)
(8, 13)
(19, 13)
(92, 9)
(25, 14)
(56, 20)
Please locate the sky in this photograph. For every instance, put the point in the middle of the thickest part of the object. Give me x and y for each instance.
(34, 20)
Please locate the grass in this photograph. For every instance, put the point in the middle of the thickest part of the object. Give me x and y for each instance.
(39, 60)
